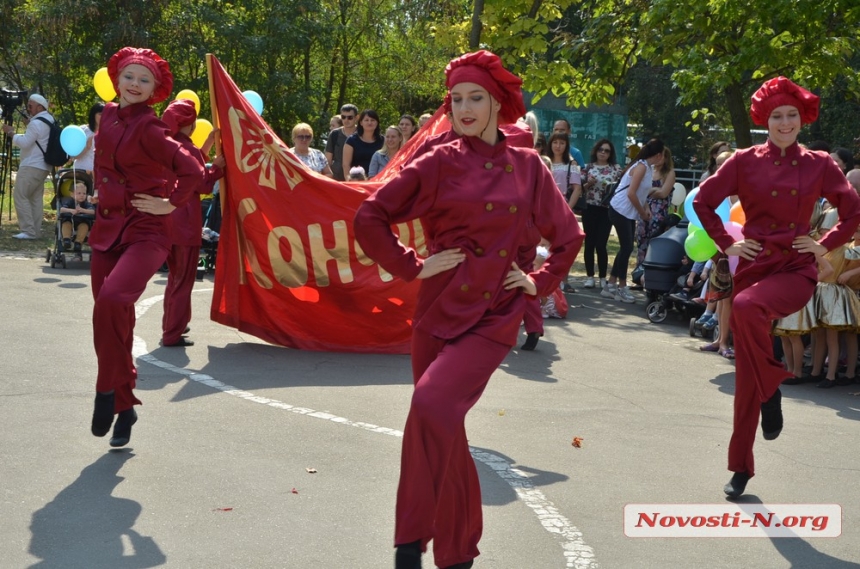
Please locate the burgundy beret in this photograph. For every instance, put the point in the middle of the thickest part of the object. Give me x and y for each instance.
(485, 69)
(781, 91)
(179, 113)
(159, 68)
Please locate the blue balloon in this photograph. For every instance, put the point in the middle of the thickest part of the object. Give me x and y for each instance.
(723, 210)
(73, 139)
(688, 208)
(255, 99)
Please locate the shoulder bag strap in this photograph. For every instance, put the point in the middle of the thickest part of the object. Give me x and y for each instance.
(47, 122)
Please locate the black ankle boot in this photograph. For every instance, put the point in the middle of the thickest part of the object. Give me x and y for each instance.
(122, 428)
(771, 416)
(737, 484)
(102, 414)
(408, 556)
(531, 341)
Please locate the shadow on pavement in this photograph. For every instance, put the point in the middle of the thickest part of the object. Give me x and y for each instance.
(799, 552)
(83, 526)
(498, 480)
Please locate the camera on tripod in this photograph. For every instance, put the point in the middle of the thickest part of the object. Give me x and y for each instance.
(11, 100)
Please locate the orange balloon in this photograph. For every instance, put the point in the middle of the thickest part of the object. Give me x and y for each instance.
(737, 214)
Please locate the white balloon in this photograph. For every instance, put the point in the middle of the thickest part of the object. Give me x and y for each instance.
(679, 193)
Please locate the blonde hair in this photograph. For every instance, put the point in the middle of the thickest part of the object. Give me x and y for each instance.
(546, 161)
(531, 120)
(300, 128)
(722, 157)
(384, 149)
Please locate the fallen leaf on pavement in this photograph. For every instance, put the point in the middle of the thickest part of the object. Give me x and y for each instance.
(577, 442)
(294, 491)
(223, 510)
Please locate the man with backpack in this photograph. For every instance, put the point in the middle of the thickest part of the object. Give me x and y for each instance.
(32, 169)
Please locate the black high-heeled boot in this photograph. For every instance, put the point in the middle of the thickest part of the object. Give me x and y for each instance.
(408, 556)
(102, 414)
(122, 428)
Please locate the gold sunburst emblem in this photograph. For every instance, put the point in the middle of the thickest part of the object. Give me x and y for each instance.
(256, 147)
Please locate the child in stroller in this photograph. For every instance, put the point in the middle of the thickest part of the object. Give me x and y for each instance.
(66, 182)
(76, 214)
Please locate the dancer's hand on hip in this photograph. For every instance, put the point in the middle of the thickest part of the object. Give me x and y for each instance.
(152, 205)
(517, 278)
(745, 248)
(441, 262)
(806, 244)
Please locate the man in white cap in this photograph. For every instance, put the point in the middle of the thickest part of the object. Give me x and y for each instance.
(32, 169)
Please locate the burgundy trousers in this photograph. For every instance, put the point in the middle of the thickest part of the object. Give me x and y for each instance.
(182, 266)
(533, 319)
(439, 496)
(119, 277)
(757, 372)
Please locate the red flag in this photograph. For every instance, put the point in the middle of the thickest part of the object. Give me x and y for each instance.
(289, 270)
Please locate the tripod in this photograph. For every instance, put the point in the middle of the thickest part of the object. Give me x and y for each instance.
(9, 101)
(6, 166)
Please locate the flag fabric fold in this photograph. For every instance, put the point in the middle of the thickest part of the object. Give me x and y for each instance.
(289, 270)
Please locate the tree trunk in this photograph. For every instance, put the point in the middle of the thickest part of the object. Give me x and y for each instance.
(740, 115)
(477, 26)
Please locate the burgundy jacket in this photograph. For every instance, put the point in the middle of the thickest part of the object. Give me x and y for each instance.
(186, 222)
(135, 155)
(778, 194)
(489, 201)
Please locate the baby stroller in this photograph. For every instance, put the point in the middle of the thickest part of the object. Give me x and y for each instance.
(211, 208)
(64, 187)
(664, 276)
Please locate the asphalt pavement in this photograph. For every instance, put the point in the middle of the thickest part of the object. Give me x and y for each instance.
(248, 455)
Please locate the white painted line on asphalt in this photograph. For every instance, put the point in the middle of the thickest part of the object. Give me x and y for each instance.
(577, 554)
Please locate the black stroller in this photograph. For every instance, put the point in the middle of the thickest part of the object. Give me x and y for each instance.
(665, 274)
(64, 187)
(211, 209)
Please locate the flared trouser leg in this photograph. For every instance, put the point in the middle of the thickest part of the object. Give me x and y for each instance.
(439, 495)
(533, 319)
(757, 372)
(182, 272)
(119, 278)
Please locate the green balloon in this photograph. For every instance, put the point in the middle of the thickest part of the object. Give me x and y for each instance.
(693, 229)
(699, 246)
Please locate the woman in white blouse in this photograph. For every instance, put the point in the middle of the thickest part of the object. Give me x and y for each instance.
(314, 159)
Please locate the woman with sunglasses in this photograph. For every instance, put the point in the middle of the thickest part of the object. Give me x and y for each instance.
(598, 175)
(303, 134)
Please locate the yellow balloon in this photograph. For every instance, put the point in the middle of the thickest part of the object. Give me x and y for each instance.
(103, 85)
(202, 130)
(191, 96)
